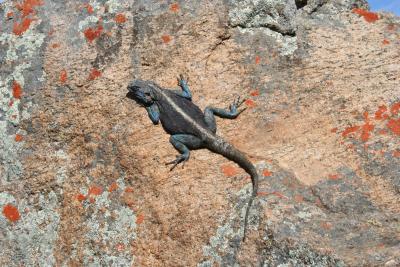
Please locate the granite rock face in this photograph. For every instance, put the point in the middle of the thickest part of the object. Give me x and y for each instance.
(82, 175)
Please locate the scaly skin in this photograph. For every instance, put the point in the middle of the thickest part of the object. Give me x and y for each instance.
(189, 127)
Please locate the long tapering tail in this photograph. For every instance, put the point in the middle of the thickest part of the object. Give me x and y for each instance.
(220, 146)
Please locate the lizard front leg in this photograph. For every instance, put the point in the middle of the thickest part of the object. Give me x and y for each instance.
(154, 113)
(183, 143)
(232, 113)
(185, 90)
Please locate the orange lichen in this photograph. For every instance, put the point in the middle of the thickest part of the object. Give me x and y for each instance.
(350, 130)
(396, 153)
(255, 93)
(366, 128)
(334, 176)
(385, 42)
(140, 218)
(18, 138)
(368, 16)
(89, 8)
(395, 108)
(326, 225)
(55, 45)
(365, 134)
(120, 247)
(10, 14)
(379, 114)
(174, 7)
(20, 28)
(257, 59)
(129, 189)
(113, 187)
(16, 90)
(382, 132)
(11, 213)
(94, 73)
(95, 190)
(166, 38)
(27, 6)
(250, 103)
(394, 126)
(120, 18)
(93, 33)
(229, 170)
(267, 173)
(80, 197)
(334, 130)
(63, 76)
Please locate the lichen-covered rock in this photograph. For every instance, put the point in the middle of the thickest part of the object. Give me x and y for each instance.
(82, 175)
(276, 15)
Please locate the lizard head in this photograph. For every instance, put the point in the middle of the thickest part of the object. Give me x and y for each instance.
(142, 92)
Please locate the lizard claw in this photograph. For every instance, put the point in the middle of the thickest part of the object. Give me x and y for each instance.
(181, 78)
(179, 159)
(237, 103)
(240, 111)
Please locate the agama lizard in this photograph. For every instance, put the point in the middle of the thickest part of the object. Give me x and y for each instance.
(189, 127)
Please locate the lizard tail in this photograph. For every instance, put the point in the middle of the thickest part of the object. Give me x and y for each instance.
(220, 146)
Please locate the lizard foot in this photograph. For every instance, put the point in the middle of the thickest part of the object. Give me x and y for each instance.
(233, 108)
(179, 159)
(182, 80)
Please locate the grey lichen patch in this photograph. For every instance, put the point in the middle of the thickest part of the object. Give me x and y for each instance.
(224, 245)
(111, 226)
(11, 167)
(30, 241)
(9, 105)
(115, 6)
(5, 199)
(286, 45)
(22, 49)
(24, 46)
(283, 254)
(275, 15)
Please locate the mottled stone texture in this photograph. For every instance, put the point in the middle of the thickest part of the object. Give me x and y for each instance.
(82, 175)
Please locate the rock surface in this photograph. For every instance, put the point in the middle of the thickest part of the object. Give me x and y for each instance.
(82, 175)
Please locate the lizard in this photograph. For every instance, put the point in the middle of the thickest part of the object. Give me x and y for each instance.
(189, 127)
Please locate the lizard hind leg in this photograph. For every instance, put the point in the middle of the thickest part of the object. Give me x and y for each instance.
(183, 143)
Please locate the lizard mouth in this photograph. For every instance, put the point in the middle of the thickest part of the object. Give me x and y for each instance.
(139, 96)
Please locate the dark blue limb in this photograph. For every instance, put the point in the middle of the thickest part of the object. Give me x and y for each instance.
(183, 84)
(183, 143)
(154, 113)
(232, 113)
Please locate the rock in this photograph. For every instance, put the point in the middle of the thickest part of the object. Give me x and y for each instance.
(82, 175)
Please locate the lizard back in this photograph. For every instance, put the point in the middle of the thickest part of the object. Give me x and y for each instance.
(173, 121)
